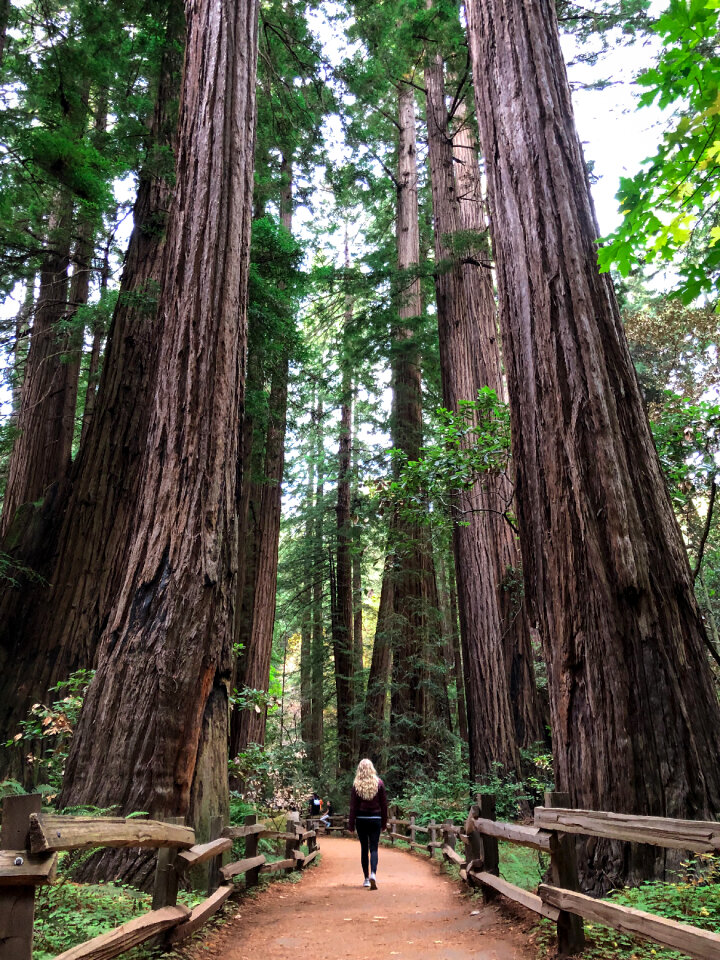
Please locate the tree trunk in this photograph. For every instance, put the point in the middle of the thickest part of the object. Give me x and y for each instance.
(357, 553)
(458, 673)
(52, 627)
(92, 378)
(260, 566)
(157, 708)
(634, 714)
(255, 663)
(343, 619)
(306, 678)
(494, 633)
(318, 639)
(412, 573)
(374, 733)
(42, 449)
(19, 347)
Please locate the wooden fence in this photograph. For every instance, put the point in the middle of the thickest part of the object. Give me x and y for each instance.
(31, 840)
(552, 833)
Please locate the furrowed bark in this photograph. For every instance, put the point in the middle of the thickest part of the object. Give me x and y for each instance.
(413, 588)
(41, 453)
(343, 619)
(495, 636)
(78, 541)
(318, 641)
(157, 707)
(634, 713)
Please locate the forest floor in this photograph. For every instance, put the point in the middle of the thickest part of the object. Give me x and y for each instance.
(417, 912)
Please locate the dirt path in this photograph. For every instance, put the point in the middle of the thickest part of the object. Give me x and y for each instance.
(417, 912)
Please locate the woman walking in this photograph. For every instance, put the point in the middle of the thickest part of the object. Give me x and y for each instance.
(368, 815)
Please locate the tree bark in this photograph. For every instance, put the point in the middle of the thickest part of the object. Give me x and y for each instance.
(343, 619)
(634, 713)
(260, 567)
(494, 632)
(42, 449)
(413, 586)
(318, 633)
(50, 628)
(255, 663)
(374, 731)
(157, 708)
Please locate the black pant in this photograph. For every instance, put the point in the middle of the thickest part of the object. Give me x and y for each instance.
(368, 832)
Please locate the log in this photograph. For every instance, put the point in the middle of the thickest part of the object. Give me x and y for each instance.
(298, 855)
(201, 853)
(277, 865)
(200, 914)
(18, 868)
(51, 833)
(309, 858)
(515, 833)
(679, 936)
(452, 855)
(530, 900)
(305, 834)
(281, 834)
(129, 935)
(247, 830)
(241, 866)
(701, 836)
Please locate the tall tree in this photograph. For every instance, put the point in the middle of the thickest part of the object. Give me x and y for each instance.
(502, 707)
(50, 627)
(41, 454)
(153, 733)
(603, 559)
(342, 621)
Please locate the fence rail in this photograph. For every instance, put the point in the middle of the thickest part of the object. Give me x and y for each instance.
(553, 832)
(30, 842)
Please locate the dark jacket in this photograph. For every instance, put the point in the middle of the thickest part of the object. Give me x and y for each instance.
(376, 807)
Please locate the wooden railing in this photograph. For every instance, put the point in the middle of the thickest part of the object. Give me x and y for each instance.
(551, 832)
(31, 840)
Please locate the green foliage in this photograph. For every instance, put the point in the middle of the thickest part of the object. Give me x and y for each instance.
(468, 444)
(68, 914)
(687, 437)
(273, 776)
(672, 207)
(45, 736)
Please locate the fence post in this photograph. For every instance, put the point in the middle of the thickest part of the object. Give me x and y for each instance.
(411, 829)
(216, 829)
(432, 837)
(165, 887)
(291, 846)
(17, 904)
(252, 877)
(491, 853)
(474, 852)
(564, 871)
(448, 834)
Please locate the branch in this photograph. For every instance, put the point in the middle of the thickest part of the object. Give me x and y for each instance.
(706, 529)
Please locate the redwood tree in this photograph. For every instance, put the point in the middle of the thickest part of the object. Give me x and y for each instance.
(502, 707)
(153, 733)
(634, 713)
(78, 540)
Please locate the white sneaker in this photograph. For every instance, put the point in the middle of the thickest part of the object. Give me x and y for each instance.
(366, 883)
(372, 883)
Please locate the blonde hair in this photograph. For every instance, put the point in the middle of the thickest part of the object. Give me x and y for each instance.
(366, 781)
